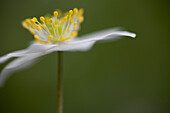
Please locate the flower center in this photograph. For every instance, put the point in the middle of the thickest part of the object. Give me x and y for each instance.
(57, 28)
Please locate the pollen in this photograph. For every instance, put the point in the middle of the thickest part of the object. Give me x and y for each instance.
(38, 28)
(61, 38)
(75, 23)
(47, 42)
(69, 30)
(51, 20)
(55, 13)
(74, 33)
(56, 40)
(75, 10)
(33, 26)
(36, 36)
(43, 25)
(81, 19)
(35, 19)
(50, 37)
(70, 12)
(55, 28)
(32, 32)
(32, 21)
(42, 19)
(65, 18)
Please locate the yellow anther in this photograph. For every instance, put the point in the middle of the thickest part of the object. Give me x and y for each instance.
(56, 40)
(51, 20)
(62, 38)
(36, 36)
(43, 25)
(38, 28)
(42, 42)
(74, 27)
(50, 37)
(67, 38)
(78, 28)
(70, 12)
(33, 26)
(27, 21)
(47, 42)
(81, 19)
(32, 21)
(42, 19)
(55, 26)
(58, 21)
(65, 18)
(37, 40)
(69, 30)
(81, 11)
(55, 13)
(40, 25)
(32, 32)
(24, 24)
(71, 21)
(74, 34)
(35, 19)
(75, 23)
(75, 10)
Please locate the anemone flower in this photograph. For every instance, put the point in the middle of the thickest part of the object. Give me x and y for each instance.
(56, 33)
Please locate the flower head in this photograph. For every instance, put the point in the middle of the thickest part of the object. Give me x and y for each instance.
(55, 33)
(56, 28)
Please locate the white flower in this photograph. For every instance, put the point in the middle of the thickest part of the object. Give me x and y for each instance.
(55, 33)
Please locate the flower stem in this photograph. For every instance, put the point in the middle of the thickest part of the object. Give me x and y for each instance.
(60, 83)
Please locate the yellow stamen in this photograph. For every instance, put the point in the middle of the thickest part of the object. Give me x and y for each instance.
(38, 28)
(42, 42)
(55, 26)
(58, 21)
(67, 38)
(74, 33)
(33, 26)
(56, 40)
(70, 12)
(55, 13)
(81, 19)
(37, 40)
(81, 11)
(43, 25)
(35, 19)
(51, 20)
(32, 21)
(32, 32)
(50, 37)
(69, 30)
(36, 36)
(24, 24)
(75, 10)
(27, 21)
(71, 21)
(42, 19)
(47, 42)
(75, 23)
(62, 38)
(65, 18)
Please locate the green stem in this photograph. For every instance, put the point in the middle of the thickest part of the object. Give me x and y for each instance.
(60, 83)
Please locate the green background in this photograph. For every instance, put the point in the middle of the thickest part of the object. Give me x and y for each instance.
(126, 76)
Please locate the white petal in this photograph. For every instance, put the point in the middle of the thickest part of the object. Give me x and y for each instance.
(73, 47)
(13, 54)
(103, 35)
(16, 65)
(32, 49)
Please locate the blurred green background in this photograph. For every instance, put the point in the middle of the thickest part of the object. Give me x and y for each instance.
(126, 76)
